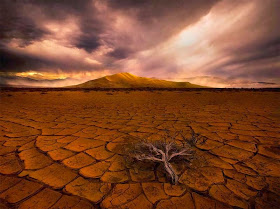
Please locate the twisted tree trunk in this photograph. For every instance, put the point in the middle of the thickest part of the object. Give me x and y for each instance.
(169, 169)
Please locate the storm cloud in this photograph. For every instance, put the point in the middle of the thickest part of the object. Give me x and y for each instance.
(232, 40)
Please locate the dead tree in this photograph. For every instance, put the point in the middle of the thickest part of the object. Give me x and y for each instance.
(164, 152)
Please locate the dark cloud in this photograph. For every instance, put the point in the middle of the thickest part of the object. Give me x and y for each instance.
(164, 13)
(257, 60)
(90, 24)
(24, 21)
(157, 20)
(87, 42)
(120, 53)
(266, 83)
(11, 61)
(258, 52)
(89, 39)
(251, 48)
(15, 24)
(58, 10)
(21, 20)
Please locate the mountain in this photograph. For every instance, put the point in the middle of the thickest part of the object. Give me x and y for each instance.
(127, 80)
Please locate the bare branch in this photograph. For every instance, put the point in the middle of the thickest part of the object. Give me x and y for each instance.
(153, 148)
(184, 152)
(168, 147)
(138, 157)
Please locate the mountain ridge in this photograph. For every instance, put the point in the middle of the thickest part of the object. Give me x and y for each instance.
(128, 80)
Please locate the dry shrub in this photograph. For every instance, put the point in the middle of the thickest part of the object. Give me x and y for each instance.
(165, 151)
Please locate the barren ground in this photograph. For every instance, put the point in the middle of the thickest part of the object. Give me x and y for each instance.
(64, 149)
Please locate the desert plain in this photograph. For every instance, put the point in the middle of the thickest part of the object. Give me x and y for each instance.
(64, 149)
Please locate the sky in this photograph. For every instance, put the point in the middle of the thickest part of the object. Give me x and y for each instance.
(218, 43)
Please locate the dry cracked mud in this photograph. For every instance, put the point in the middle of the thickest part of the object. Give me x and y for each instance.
(64, 149)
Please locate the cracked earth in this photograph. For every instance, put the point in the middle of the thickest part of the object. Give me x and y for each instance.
(65, 149)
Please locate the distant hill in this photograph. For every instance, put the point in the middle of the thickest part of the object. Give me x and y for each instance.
(127, 80)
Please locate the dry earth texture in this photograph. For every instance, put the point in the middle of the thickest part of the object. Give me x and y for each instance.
(64, 149)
